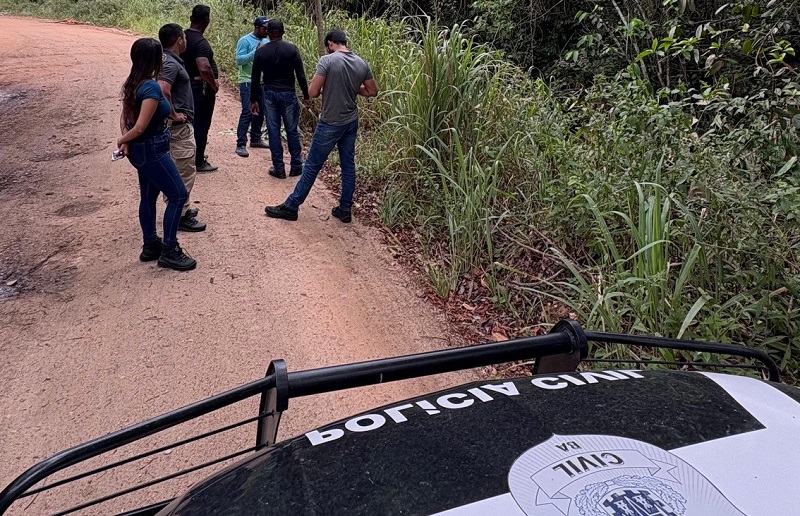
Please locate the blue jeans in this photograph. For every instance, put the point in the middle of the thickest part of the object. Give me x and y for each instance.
(158, 173)
(283, 105)
(247, 118)
(325, 137)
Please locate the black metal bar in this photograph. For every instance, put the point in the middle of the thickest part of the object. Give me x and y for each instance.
(150, 510)
(274, 402)
(773, 372)
(152, 482)
(138, 457)
(360, 374)
(565, 362)
(122, 437)
(665, 362)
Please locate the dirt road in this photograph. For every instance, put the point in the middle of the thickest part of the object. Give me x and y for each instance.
(92, 340)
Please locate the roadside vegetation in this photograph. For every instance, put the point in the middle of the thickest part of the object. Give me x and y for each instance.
(646, 181)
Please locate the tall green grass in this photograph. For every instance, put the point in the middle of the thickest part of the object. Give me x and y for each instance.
(656, 228)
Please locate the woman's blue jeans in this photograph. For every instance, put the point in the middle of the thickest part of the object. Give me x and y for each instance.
(158, 173)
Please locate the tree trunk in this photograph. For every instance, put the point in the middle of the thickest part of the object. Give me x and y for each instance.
(320, 29)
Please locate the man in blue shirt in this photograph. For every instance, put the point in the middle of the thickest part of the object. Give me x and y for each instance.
(245, 51)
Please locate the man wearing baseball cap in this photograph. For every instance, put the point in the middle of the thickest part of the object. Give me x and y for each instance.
(245, 52)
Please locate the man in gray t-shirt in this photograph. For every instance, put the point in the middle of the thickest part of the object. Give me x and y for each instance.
(177, 88)
(344, 73)
(340, 77)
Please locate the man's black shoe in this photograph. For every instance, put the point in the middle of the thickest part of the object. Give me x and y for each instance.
(279, 174)
(191, 224)
(205, 166)
(259, 144)
(344, 216)
(192, 212)
(242, 151)
(176, 259)
(151, 251)
(297, 171)
(281, 212)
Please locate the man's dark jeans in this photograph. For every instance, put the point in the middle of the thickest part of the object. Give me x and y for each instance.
(326, 136)
(158, 173)
(283, 105)
(247, 119)
(204, 100)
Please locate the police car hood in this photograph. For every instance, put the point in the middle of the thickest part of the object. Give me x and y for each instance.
(618, 443)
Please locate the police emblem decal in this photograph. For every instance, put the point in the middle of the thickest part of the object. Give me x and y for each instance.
(600, 475)
(629, 495)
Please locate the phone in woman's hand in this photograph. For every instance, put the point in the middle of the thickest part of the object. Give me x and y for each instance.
(117, 154)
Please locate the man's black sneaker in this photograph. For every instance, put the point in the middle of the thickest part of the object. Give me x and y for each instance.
(344, 216)
(275, 173)
(242, 151)
(192, 212)
(176, 259)
(281, 212)
(205, 166)
(151, 251)
(296, 171)
(259, 144)
(191, 224)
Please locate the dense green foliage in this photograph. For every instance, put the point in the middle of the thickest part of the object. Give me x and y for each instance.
(649, 181)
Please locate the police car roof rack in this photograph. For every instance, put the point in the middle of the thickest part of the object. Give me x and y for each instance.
(560, 350)
(769, 368)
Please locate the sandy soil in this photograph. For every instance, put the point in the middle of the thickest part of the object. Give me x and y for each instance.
(92, 340)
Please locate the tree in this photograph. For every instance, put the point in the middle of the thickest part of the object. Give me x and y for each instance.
(320, 29)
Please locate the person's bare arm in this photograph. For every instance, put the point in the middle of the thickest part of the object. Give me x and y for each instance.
(315, 88)
(122, 127)
(207, 73)
(368, 88)
(145, 115)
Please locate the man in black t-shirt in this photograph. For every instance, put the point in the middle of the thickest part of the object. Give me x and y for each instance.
(199, 61)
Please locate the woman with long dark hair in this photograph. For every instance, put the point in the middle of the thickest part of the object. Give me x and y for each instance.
(145, 141)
